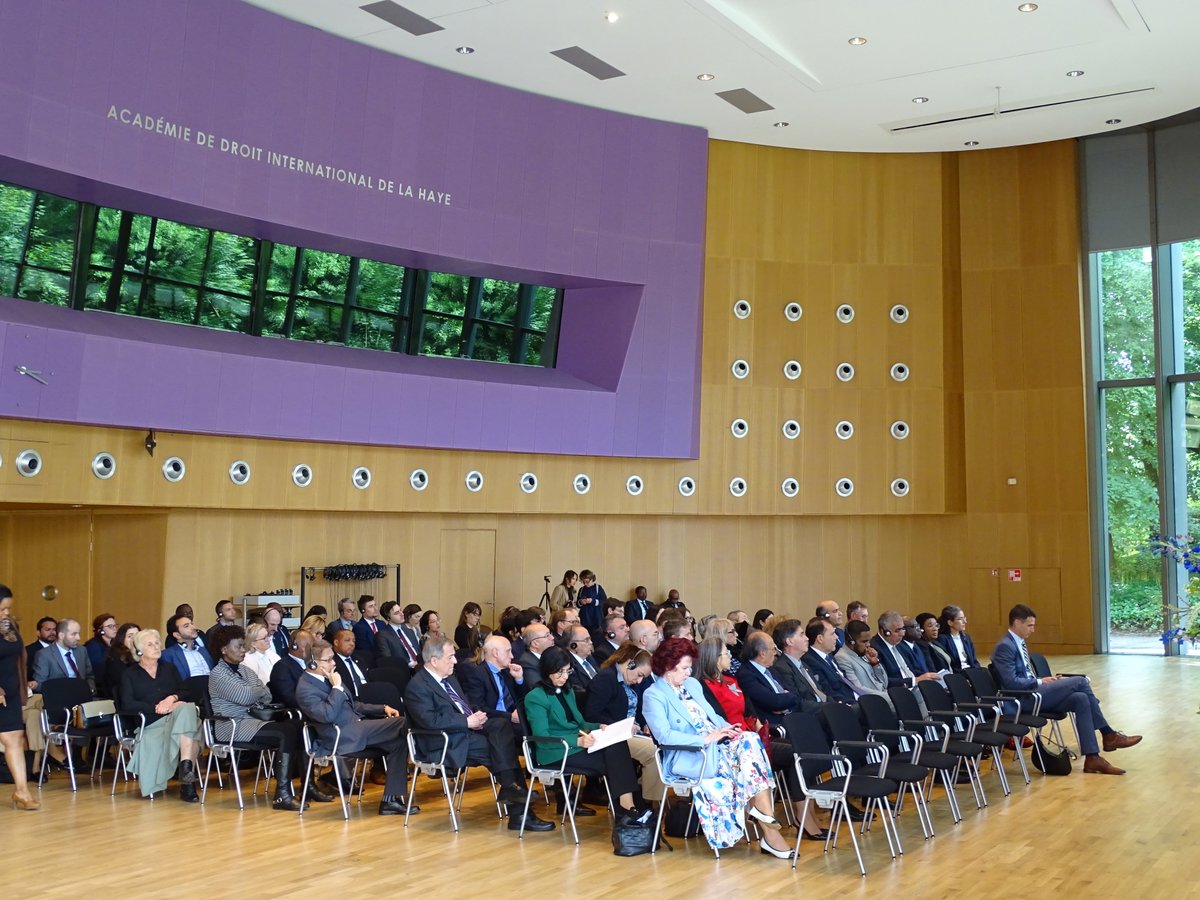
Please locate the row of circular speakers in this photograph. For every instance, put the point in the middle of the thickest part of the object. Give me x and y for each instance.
(104, 466)
(844, 429)
(792, 311)
(844, 370)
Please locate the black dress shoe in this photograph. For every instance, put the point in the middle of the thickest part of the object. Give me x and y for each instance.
(316, 795)
(532, 823)
(397, 808)
(819, 836)
(288, 804)
(512, 793)
(856, 814)
(580, 810)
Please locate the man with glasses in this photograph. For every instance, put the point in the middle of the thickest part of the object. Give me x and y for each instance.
(901, 664)
(537, 639)
(578, 644)
(322, 697)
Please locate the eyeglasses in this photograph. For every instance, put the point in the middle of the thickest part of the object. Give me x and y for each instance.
(325, 659)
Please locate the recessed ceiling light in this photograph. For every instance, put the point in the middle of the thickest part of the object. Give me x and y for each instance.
(1112, 121)
(1027, 7)
(611, 17)
(782, 124)
(920, 99)
(706, 76)
(970, 143)
(857, 41)
(1075, 73)
(465, 51)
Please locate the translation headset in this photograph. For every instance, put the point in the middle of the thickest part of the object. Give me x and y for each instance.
(611, 635)
(310, 661)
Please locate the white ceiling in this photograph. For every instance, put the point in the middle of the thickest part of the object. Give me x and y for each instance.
(969, 57)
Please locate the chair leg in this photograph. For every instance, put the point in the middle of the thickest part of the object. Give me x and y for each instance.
(844, 812)
(1021, 758)
(570, 805)
(662, 808)
(70, 763)
(304, 790)
(237, 780)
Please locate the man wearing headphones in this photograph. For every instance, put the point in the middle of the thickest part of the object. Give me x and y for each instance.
(323, 699)
(285, 674)
(832, 613)
(615, 632)
(578, 643)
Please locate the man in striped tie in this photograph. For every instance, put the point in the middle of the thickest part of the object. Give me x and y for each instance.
(1060, 693)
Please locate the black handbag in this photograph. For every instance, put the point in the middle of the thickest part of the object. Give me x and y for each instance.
(269, 712)
(681, 820)
(632, 839)
(1049, 762)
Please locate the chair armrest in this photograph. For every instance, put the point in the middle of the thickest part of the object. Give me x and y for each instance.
(544, 739)
(680, 748)
(425, 732)
(869, 746)
(901, 733)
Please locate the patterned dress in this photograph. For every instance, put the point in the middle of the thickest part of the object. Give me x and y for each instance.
(742, 771)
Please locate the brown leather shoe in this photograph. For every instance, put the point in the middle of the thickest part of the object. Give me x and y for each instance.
(1098, 765)
(1118, 740)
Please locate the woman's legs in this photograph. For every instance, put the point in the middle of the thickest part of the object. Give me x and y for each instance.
(762, 802)
(14, 756)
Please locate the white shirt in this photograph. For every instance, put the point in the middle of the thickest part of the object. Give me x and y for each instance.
(261, 664)
(957, 640)
(195, 661)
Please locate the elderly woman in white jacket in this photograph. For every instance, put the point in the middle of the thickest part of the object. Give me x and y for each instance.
(261, 655)
(736, 772)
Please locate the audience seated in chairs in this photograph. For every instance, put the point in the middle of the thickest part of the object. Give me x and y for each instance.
(467, 634)
(260, 655)
(495, 684)
(953, 638)
(615, 694)
(65, 658)
(342, 725)
(286, 673)
(171, 737)
(120, 656)
(349, 664)
(935, 656)
(47, 634)
(612, 635)
(233, 689)
(104, 628)
(737, 773)
(431, 624)
(551, 711)
(859, 662)
(436, 701)
(187, 656)
(395, 638)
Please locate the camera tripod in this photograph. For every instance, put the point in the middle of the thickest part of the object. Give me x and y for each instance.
(545, 600)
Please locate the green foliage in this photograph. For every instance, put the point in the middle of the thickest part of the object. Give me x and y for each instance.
(1136, 606)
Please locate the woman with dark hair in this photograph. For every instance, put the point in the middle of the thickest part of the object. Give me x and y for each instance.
(13, 691)
(934, 655)
(734, 705)
(563, 595)
(104, 629)
(590, 601)
(551, 711)
(954, 638)
(761, 617)
(613, 696)
(234, 688)
(466, 634)
(431, 623)
(734, 771)
(118, 658)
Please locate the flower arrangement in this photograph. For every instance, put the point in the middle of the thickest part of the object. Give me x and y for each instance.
(1181, 619)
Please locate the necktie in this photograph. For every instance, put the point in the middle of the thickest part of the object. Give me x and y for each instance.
(587, 667)
(463, 706)
(407, 644)
(355, 679)
(812, 684)
(775, 685)
(1026, 659)
(905, 671)
(374, 629)
(504, 697)
(71, 663)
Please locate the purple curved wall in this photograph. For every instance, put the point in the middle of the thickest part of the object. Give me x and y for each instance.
(608, 206)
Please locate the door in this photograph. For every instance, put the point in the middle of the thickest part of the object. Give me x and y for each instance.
(468, 572)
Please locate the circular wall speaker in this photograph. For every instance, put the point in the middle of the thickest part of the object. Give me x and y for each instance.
(899, 429)
(740, 369)
(361, 478)
(900, 372)
(104, 466)
(739, 428)
(793, 311)
(900, 487)
(529, 482)
(474, 481)
(899, 314)
(844, 371)
(844, 430)
(634, 485)
(741, 309)
(239, 472)
(845, 313)
(418, 479)
(737, 486)
(687, 486)
(844, 487)
(790, 487)
(581, 483)
(791, 370)
(29, 463)
(174, 469)
(791, 429)
(302, 475)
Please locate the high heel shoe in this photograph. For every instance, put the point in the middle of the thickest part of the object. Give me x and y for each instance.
(771, 851)
(766, 818)
(20, 802)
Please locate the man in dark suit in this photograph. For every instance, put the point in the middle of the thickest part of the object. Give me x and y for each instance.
(226, 616)
(393, 639)
(495, 685)
(902, 667)
(788, 669)
(639, 607)
(47, 631)
(64, 658)
(286, 673)
(577, 641)
(758, 682)
(538, 640)
(832, 613)
(187, 655)
(1069, 693)
(614, 631)
(366, 628)
(281, 639)
(822, 641)
(345, 620)
(435, 700)
(349, 665)
(323, 699)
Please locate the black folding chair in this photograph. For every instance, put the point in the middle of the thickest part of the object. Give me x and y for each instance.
(60, 696)
(949, 731)
(1041, 668)
(970, 722)
(964, 696)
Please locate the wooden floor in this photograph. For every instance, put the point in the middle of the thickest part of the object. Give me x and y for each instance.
(1080, 836)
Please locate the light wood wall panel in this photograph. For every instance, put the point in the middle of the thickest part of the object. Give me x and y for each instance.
(128, 562)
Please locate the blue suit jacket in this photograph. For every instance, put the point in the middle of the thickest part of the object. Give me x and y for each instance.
(947, 644)
(831, 682)
(174, 655)
(1010, 667)
(670, 723)
(895, 679)
(364, 637)
(769, 703)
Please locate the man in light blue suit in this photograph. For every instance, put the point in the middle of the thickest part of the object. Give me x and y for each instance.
(1060, 693)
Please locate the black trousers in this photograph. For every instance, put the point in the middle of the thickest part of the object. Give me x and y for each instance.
(495, 746)
(783, 764)
(613, 762)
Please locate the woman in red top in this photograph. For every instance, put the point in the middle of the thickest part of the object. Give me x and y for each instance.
(727, 698)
